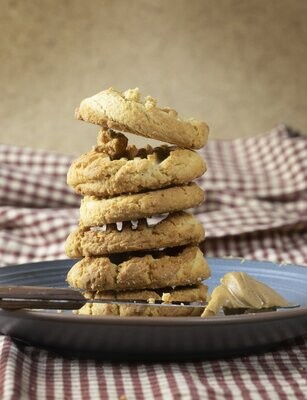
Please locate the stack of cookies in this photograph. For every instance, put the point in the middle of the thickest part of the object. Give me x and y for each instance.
(134, 239)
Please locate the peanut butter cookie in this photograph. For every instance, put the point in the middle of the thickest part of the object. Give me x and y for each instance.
(196, 293)
(176, 230)
(96, 212)
(127, 112)
(104, 173)
(151, 271)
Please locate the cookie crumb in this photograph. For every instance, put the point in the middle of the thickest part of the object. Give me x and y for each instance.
(166, 298)
(150, 102)
(133, 94)
(112, 143)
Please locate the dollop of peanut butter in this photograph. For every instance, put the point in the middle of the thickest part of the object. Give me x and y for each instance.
(240, 290)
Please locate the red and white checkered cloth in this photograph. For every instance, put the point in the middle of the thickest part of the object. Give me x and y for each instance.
(256, 207)
(29, 373)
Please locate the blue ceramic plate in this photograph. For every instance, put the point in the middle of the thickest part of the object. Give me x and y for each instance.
(159, 338)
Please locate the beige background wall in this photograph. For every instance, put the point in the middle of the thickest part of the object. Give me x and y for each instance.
(241, 65)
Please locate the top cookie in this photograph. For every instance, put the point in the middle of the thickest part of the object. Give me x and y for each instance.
(127, 112)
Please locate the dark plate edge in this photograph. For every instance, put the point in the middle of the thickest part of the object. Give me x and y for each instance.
(159, 321)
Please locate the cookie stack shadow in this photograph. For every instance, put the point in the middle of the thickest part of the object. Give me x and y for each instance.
(134, 239)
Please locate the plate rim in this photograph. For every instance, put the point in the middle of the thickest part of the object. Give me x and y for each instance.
(160, 321)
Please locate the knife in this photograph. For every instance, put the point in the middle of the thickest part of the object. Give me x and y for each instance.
(39, 297)
(36, 297)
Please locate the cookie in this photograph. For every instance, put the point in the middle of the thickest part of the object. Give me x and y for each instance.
(96, 174)
(196, 293)
(150, 271)
(176, 230)
(127, 112)
(96, 212)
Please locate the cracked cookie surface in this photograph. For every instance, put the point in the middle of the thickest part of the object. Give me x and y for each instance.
(176, 230)
(95, 173)
(188, 267)
(95, 211)
(196, 293)
(125, 111)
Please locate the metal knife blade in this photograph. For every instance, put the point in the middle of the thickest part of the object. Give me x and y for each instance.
(32, 297)
(17, 297)
(61, 304)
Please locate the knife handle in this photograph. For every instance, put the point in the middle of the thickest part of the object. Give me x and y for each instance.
(17, 304)
(39, 293)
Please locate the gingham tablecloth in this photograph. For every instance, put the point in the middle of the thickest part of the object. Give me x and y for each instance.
(256, 207)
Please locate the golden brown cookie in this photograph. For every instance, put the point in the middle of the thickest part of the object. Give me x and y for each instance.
(151, 271)
(96, 174)
(96, 212)
(176, 230)
(127, 112)
(196, 293)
